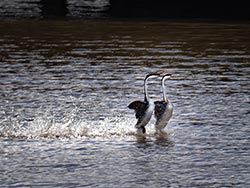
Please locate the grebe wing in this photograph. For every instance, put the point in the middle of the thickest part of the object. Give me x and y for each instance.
(140, 108)
(160, 107)
(135, 105)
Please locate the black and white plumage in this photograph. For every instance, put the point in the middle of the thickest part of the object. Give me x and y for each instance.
(163, 109)
(143, 109)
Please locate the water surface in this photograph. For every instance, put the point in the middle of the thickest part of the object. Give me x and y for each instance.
(65, 87)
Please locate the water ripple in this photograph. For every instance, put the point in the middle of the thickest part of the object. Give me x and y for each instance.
(65, 90)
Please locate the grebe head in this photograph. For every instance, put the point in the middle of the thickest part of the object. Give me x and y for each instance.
(166, 76)
(152, 75)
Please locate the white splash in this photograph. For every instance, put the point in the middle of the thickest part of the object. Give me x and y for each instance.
(70, 126)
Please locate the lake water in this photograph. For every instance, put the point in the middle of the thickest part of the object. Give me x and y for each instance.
(65, 87)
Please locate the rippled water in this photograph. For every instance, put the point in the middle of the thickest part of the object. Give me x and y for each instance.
(65, 87)
(42, 8)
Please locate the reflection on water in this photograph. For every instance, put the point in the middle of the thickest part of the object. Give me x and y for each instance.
(56, 8)
(66, 86)
(158, 142)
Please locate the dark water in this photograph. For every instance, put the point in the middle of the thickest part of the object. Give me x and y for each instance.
(65, 87)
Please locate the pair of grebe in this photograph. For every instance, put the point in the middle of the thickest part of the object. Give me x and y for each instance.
(144, 109)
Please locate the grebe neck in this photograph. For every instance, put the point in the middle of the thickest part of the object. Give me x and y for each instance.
(164, 78)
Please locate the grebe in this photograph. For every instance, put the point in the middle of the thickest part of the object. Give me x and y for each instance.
(143, 109)
(163, 109)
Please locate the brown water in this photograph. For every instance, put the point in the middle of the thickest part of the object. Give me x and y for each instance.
(65, 87)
